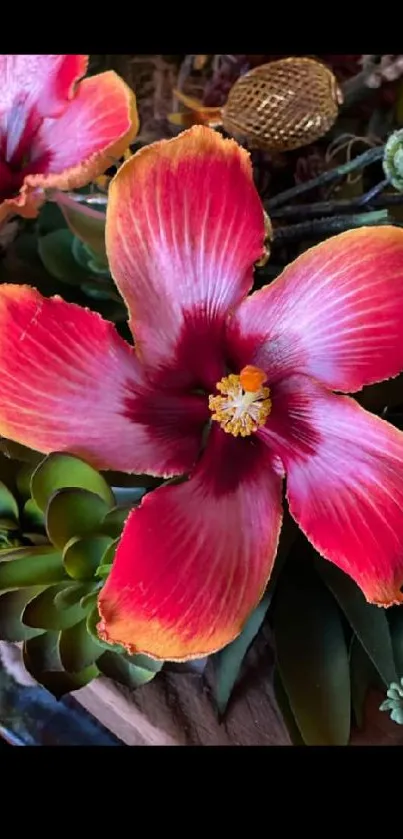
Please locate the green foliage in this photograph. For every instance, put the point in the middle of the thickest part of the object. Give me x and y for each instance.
(50, 579)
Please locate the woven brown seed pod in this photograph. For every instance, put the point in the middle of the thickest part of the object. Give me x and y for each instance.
(283, 105)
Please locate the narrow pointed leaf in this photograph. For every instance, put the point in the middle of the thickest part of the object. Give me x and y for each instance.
(369, 623)
(286, 712)
(396, 629)
(63, 471)
(312, 657)
(363, 677)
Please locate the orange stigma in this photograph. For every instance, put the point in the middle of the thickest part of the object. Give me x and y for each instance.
(243, 404)
(252, 378)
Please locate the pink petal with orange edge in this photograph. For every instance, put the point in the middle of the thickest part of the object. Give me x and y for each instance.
(45, 82)
(97, 126)
(70, 383)
(184, 227)
(344, 471)
(194, 558)
(336, 313)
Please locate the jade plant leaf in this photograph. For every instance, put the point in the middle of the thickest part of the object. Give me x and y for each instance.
(38, 657)
(42, 613)
(369, 623)
(63, 471)
(104, 568)
(82, 556)
(8, 504)
(114, 521)
(93, 619)
(30, 566)
(90, 229)
(119, 669)
(77, 649)
(12, 606)
(312, 657)
(72, 513)
(32, 515)
(76, 593)
(55, 251)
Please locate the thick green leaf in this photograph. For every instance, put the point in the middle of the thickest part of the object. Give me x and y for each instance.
(93, 619)
(114, 521)
(23, 479)
(363, 676)
(12, 606)
(82, 557)
(42, 613)
(32, 515)
(55, 251)
(30, 566)
(118, 668)
(286, 712)
(75, 593)
(8, 504)
(144, 662)
(396, 629)
(87, 258)
(368, 622)
(72, 513)
(312, 657)
(50, 218)
(45, 652)
(89, 229)
(90, 600)
(107, 559)
(77, 648)
(228, 662)
(63, 471)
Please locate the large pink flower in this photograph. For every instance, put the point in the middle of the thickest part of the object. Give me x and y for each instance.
(55, 130)
(184, 228)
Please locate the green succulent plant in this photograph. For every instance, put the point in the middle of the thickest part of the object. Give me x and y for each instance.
(60, 523)
(394, 702)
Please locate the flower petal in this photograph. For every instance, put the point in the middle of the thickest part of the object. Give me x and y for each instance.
(336, 313)
(184, 227)
(45, 82)
(344, 482)
(70, 383)
(95, 129)
(194, 559)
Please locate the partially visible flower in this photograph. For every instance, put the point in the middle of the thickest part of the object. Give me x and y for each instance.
(57, 131)
(231, 390)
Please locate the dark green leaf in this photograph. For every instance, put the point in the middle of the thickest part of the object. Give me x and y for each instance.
(118, 668)
(312, 657)
(12, 605)
(72, 513)
(32, 515)
(63, 471)
(286, 712)
(144, 662)
(30, 566)
(363, 677)
(58, 683)
(18, 452)
(92, 621)
(396, 629)
(368, 622)
(50, 218)
(43, 652)
(55, 251)
(75, 593)
(23, 479)
(114, 521)
(82, 557)
(77, 648)
(8, 504)
(227, 663)
(42, 612)
(90, 600)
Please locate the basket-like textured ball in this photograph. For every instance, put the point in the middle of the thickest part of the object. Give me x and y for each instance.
(283, 105)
